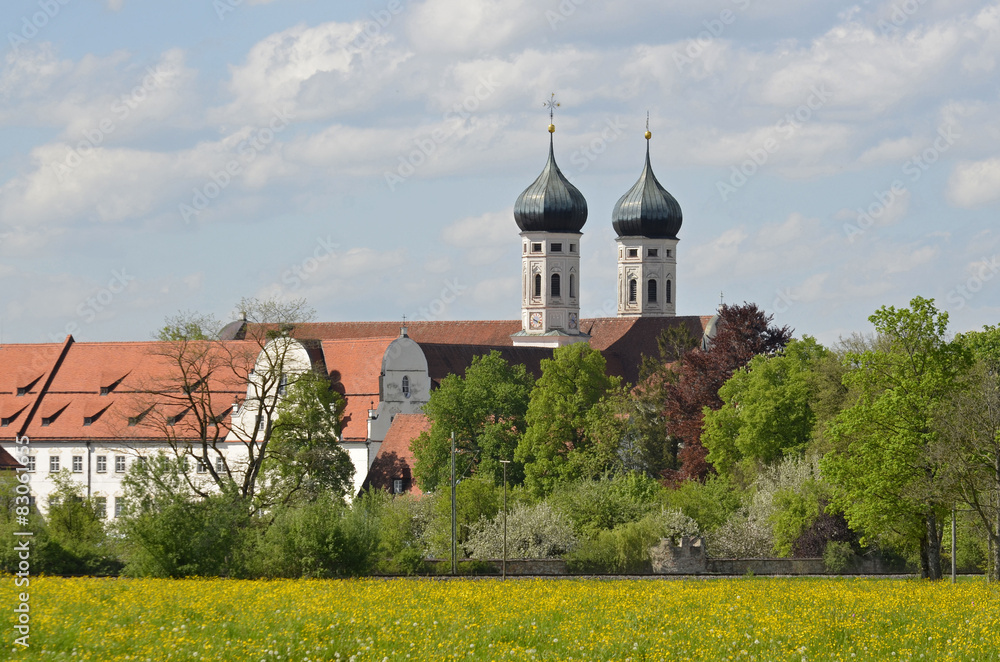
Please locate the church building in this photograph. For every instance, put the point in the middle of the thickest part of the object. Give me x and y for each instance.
(70, 398)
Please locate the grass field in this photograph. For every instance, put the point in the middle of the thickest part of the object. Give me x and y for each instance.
(565, 619)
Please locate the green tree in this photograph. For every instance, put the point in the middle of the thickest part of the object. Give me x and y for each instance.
(970, 428)
(306, 458)
(888, 479)
(567, 436)
(767, 408)
(486, 410)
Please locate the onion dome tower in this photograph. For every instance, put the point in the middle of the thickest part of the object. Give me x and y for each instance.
(647, 219)
(551, 214)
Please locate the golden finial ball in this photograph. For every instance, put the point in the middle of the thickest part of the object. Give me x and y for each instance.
(649, 135)
(552, 128)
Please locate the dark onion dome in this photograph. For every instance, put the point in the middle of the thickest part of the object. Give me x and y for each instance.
(647, 210)
(551, 203)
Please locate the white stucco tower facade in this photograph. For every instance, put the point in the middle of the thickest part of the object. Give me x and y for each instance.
(647, 219)
(551, 214)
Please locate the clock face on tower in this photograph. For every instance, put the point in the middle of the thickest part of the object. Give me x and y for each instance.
(535, 321)
(572, 320)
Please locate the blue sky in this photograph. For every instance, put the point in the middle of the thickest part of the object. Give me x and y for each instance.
(829, 157)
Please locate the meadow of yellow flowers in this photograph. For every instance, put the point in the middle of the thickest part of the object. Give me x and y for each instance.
(487, 619)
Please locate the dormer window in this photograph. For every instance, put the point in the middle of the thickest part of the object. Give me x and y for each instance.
(88, 421)
(4, 422)
(21, 391)
(405, 386)
(105, 390)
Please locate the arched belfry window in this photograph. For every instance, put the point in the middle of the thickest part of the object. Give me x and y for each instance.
(556, 290)
(632, 287)
(651, 291)
(572, 286)
(405, 385)
(668, 297)
(538, 285)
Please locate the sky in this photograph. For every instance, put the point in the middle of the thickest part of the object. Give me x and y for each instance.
(160, 157)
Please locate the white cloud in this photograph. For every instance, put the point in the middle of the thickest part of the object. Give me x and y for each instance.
(975, 183)
(483, 239)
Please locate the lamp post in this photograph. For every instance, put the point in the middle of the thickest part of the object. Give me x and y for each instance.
(454, 536)
(504, 463)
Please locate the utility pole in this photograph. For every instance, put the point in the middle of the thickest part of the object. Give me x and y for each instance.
(504, 463)
(454, 529)
(954, 565)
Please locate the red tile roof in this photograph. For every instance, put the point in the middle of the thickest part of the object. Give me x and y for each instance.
(356, 364)
(450, 345)
(395, 459)
(7, 461)
(71, 376)
(494, 333)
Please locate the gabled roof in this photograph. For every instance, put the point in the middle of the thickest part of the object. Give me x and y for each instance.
(395, 458)
(7, 461)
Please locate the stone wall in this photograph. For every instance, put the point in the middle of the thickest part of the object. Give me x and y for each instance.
(686, 557)
(515, 567)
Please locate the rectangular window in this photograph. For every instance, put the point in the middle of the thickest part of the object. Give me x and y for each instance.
(653, 252)
(101, 506)
(572, 248)
(668, 252)
(202, 469)
(77, 464)
(220, 466)
(555, 248)
(633, 252)
(119, 464)
(102, 464)
(53, 463)
(119, 501)
(397, 485)
(31, 463)
(536, 248)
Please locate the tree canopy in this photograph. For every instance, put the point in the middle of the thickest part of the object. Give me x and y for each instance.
(571, 420)
(887, 477)
(767, 408)
(486, 410)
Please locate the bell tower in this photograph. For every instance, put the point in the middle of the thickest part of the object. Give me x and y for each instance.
(551, 214)
(647, 219)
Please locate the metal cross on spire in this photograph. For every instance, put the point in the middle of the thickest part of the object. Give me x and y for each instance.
(552, 104)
